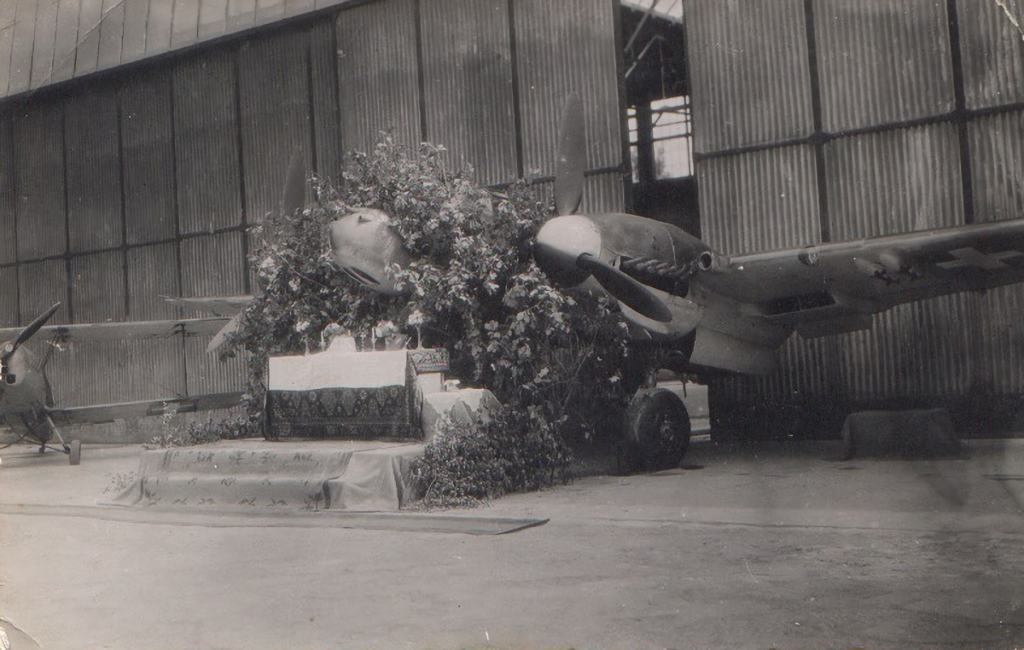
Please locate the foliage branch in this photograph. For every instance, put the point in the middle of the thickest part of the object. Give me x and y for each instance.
(554, 359)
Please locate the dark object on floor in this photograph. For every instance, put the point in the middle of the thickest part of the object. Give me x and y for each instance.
(900, 434)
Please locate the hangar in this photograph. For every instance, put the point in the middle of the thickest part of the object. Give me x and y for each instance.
(140, 140)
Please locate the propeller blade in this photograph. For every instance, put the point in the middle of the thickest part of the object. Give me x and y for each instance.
(294, 196)
(32, 328)
(571, 157)
(625, 289)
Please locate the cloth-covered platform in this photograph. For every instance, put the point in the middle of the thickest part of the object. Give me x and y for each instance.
(361, 476)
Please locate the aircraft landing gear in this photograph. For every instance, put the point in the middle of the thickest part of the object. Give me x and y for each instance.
(657, 431)
(74, 450)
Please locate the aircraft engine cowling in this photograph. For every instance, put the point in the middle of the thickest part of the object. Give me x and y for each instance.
(367, 249)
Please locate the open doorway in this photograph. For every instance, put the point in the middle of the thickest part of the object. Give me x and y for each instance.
(659, 112)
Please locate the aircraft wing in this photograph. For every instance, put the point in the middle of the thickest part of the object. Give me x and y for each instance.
(821, 288)
(230, 306)
(127, 410)
(158, 329)
(216, 305)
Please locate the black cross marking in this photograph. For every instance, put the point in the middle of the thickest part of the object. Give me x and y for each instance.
(971, 257)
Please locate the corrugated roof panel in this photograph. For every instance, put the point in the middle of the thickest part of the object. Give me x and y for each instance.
(759, 201)
(6, 41)
(377, 74)
(274, 109)
(882, 62)
(749, 72)
(93, 169)
(8, 198)
(992, 50)
(560, 48)
(158, 26)
(44, 41)
(97, 287)
(39, 161)
(8, 296)
(267, 11)
(185, 23)
(241, 15)
(152, 273)
(21, 47)
(111, 34)
(894, 181)
(468, 84)
(297, 7)
(147, 148)
(997, 166)
(40, 284)
(89, 36)
(66, 43)
(133, 45)
(206, 143)
(213, 18)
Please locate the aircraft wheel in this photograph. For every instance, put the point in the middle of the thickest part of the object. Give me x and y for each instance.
(657, 431)
(75, 455)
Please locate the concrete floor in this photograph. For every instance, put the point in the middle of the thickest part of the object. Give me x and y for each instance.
(767, 546)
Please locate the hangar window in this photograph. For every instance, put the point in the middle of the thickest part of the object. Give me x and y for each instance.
(658, 112)
(667, 133)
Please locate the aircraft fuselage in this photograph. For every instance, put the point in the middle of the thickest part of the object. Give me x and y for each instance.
(25, 395)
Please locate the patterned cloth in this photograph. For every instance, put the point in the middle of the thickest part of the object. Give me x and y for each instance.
(362, 395)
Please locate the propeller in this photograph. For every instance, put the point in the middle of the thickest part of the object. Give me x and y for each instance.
(568, 246)
(26, 334)
(571, 157)
(625, 289)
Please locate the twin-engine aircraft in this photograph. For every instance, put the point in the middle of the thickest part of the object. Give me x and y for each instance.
(26, 400)
(719, 312)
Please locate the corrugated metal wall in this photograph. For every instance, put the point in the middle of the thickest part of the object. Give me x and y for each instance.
(560, 48)
(467, 84)
(752, 93)
(882, 62)
(274, 95)
(870, 119)
(145, 184)
(378, 79)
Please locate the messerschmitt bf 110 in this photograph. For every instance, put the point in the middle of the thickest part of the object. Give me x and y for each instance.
(719, 312)
(27, 408)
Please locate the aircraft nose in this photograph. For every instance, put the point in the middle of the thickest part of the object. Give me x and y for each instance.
(560, 242)
(365, 247)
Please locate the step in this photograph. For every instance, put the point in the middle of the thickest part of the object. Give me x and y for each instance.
(316, 475)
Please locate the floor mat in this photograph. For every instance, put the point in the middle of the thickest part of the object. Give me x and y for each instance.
(279, 518)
